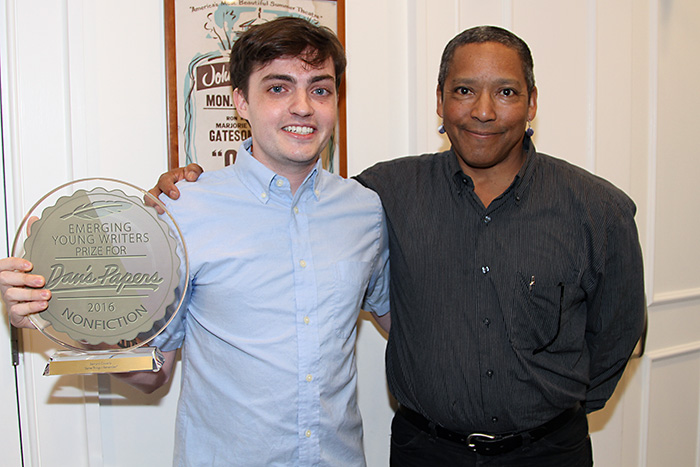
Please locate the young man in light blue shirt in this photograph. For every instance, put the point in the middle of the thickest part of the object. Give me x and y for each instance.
(282, 256)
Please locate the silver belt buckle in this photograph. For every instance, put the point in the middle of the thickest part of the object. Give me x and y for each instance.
(471, 437)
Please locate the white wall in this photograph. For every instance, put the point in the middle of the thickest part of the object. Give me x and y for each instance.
(83, 94)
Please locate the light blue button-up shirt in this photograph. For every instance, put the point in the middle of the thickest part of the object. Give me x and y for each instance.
(269, 323)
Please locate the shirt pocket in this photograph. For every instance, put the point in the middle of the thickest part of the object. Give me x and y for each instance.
(350, 280)
(546, 315)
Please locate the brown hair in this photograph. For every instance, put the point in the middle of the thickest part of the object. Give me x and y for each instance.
(286, 36)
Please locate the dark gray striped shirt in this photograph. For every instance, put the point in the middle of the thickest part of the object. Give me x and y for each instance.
(502, 317)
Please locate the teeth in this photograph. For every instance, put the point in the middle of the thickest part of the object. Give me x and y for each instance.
(299, 130)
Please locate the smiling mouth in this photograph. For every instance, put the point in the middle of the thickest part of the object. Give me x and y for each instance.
(299, 130)
(482, 133)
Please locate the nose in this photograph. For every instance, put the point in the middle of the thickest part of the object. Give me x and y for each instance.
(483, 109)
(301, 104)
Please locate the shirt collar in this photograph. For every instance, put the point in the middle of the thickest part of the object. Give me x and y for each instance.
(522, 181)
(260, 180)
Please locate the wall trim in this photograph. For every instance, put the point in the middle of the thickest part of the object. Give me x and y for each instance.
(652, 154)
(647, 361)
(592, 91)
(675, 296)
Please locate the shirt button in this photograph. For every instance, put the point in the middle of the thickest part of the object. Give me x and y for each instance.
(489, 373)
(487, 219)
(309, 378)
(302, 263)
(307, 433)
(263, 195)
(296, 210)
(485, 269)
(306, 320)
(279, 183)
(317, 192)
(494, 419)
(486, 322)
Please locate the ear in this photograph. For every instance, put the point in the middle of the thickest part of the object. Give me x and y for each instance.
(532, 105)
(438, 94)
(241, 103)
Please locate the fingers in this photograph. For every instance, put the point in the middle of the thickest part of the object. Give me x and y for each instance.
(19, 287)
(166, 183)
(15, 264)
(37, 300)
(19, 313)
(148, 201)
(30, 222)
(21, 292)
(192, 172)
(13, 273)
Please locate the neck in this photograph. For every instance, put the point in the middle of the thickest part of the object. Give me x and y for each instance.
(491, 182)
(295, 181)
(295, 173)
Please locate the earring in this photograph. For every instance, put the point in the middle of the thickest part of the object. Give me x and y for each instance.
(529, 130)
(441, 129)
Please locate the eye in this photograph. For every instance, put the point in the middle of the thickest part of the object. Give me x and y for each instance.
(462, 91)
(322, 92)
(508, 92)
(276, 89)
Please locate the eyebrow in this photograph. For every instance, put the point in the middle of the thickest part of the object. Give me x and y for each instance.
(498, 81)
(291, 79)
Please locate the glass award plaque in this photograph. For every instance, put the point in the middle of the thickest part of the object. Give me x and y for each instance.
(113, 266)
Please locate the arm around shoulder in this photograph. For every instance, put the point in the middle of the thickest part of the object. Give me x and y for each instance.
(166, 182)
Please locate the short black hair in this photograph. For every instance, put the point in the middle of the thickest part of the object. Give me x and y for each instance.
(481, 34)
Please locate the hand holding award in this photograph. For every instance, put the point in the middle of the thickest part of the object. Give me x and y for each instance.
(113, 267)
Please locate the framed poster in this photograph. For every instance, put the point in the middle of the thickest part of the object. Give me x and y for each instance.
(203, 125)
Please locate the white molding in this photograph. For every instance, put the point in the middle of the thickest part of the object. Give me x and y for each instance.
(644, 416)
(671, 352)
(647, 361)
(13, 180)
(78, 161)
(93, 421)
(415, 35)
(645, 408)
(676, 296)
(507, 14)
(592, 88)
(13, 432)
(31, 441)
(13, 163)
(697, 439)
(652, 148)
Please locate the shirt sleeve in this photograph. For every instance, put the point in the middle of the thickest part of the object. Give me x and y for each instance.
(377, 295)
(172, 337)
(616, 308)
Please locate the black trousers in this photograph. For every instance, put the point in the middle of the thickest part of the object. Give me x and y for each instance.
(569, 446)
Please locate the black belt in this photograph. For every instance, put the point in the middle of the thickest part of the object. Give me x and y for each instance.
(486, 443)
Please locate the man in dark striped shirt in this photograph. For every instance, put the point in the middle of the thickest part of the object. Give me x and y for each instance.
(517, 291)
